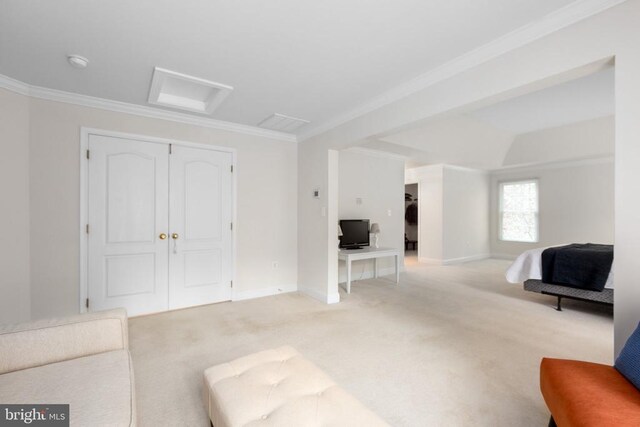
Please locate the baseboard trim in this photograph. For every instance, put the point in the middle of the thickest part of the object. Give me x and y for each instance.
(461, 260)
(429, 261)
(263, 292)
(506, 257)
(452, 261)
(333, 298)
(321, 296)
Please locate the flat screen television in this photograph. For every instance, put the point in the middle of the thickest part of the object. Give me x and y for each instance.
(355, 233)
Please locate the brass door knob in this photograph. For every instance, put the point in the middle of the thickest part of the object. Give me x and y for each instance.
(162, 236)
(174, 236)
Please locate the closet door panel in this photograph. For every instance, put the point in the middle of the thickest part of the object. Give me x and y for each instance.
(200, 222)
(127, 213)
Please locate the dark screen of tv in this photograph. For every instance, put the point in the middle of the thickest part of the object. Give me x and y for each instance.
(355, 233)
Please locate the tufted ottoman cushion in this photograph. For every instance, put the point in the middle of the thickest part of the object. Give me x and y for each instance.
(279, 388)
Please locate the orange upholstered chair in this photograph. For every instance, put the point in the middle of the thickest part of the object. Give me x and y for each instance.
(588, 394)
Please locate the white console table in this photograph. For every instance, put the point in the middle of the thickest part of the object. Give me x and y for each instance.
(349, 255)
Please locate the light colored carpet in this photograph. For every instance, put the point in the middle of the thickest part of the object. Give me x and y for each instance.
(453, 345)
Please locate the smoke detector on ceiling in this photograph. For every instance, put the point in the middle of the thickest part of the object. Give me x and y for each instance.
(77, 61)
(184, 92)
(282, 123)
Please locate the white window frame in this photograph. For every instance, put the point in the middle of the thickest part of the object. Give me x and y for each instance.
(500, 208)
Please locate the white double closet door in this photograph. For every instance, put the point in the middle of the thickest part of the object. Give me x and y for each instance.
(159, 225)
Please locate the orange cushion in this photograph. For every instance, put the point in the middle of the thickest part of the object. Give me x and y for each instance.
(588, 394)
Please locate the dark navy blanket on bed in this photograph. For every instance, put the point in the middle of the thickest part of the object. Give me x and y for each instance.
(585, 266)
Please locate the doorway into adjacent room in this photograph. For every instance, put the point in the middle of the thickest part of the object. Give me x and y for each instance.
(411, 224)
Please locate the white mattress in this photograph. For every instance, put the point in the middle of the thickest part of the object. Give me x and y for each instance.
(529, 266)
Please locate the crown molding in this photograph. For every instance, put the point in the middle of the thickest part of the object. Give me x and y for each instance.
(417, 169)
(376, 153)
(138, 110)
(465, 169)
(14, 85)
(557, 20)
(557, 164)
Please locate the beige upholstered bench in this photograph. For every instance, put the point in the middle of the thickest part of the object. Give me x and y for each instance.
(279, 388)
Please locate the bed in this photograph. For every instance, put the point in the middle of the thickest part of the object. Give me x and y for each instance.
(528, 269)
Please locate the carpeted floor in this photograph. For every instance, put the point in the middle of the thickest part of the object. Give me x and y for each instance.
(449, 346)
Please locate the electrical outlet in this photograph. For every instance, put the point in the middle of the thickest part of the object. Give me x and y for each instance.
(274, 264)
(389, 212)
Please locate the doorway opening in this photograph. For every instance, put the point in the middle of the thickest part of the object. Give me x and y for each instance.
(411, 219)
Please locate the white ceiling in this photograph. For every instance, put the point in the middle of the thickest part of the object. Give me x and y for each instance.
(460, 140)
(309, 59)
(578, 100)
(481, 138)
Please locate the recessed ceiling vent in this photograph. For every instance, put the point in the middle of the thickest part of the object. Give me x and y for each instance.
(282, 123)
(176, 90)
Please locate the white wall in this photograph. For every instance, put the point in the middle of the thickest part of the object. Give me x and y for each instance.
(574, 166)
(333, 207)
(587, 139)
(454, 213)
(576, 205)
(317, 223)
(466, 215)
(379, 182)
(430, 181)
(14, 214)
(266, 206)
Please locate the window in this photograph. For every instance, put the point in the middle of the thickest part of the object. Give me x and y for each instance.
(519, 211)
